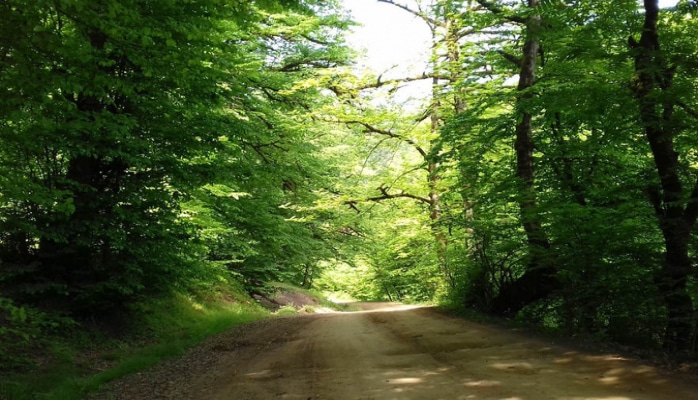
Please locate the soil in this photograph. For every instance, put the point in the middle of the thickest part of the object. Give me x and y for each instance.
(281, 298)
(393, 351)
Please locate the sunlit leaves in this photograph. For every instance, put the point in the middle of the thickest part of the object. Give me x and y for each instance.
(141, 140)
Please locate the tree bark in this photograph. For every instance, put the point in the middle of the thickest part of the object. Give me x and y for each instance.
(676, 217)
(539, 280)
(84, 256)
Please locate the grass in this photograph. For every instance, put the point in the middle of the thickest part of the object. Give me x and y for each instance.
(167, 328)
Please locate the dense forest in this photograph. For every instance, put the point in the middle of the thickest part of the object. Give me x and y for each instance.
(157, 147)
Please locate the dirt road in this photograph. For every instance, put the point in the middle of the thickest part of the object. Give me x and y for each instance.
(391, 351)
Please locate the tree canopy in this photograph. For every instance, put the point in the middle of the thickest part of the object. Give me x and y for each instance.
(550, 173)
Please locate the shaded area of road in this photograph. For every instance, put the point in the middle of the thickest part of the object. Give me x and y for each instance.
(392, 351)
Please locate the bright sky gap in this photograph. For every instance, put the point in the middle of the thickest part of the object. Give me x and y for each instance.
(393, 39)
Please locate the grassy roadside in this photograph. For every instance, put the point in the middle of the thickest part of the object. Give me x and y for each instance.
(75, 366)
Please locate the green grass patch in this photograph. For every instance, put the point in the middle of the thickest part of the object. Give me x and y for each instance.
(164, 328)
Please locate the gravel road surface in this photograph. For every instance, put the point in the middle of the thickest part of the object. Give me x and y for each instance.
(393, 351)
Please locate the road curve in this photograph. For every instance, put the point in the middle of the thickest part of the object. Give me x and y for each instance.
(392, 351)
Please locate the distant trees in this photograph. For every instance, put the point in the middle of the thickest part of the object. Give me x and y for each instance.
(564, 140)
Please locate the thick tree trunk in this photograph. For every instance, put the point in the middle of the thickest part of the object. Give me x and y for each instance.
(676, 220)
(672, 286)
(80, 258)
(81, 254)
(539, 279)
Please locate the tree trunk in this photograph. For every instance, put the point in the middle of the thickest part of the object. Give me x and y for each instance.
(676, 217)
(82, 255)
(539, 280)
(308, 277)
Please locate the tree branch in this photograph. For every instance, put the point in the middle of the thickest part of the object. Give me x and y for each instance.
(417, 13)
(296, 66)
(368, 128)
(316, 41)
(385, 195)
(495, 9)
(510, 57)
(380, 83)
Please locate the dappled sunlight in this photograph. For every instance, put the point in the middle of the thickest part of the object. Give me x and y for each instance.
(391, 351)
(483, 383)
(609, 379)
(482, 365)
(600, 398)
(263, 374)
(409, 383)
(402, 381)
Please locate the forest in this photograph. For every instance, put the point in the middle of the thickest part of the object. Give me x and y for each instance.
(157, 148)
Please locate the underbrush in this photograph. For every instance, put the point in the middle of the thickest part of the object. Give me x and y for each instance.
(69, 364)
(552, 333)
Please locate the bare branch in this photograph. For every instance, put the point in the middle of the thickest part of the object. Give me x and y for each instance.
(368, 128)
(380, 83)
(316, 41)
(352, 205)
(296, 66)
(417, 13)
(385, 195)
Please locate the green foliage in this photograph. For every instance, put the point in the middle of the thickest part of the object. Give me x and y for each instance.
(592, 177)
(169, 325)
(134, 114)
(155, 149)
(23, 329)
(350, 282)
(18, 332)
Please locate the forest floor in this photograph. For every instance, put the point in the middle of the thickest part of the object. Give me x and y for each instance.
(393, 351)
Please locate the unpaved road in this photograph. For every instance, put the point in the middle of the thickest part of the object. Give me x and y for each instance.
(391, 351)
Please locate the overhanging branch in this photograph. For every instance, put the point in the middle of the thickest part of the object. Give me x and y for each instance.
(417, 13)
(386, 195)
(380, 83)
(368, 128)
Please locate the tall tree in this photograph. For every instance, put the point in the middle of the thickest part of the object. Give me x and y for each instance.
(115, 112)
(676, 208)
(538, 280)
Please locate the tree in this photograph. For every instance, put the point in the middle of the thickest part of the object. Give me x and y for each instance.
(676, 208)
(114, 113)
(262, 197)
(421, 136)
